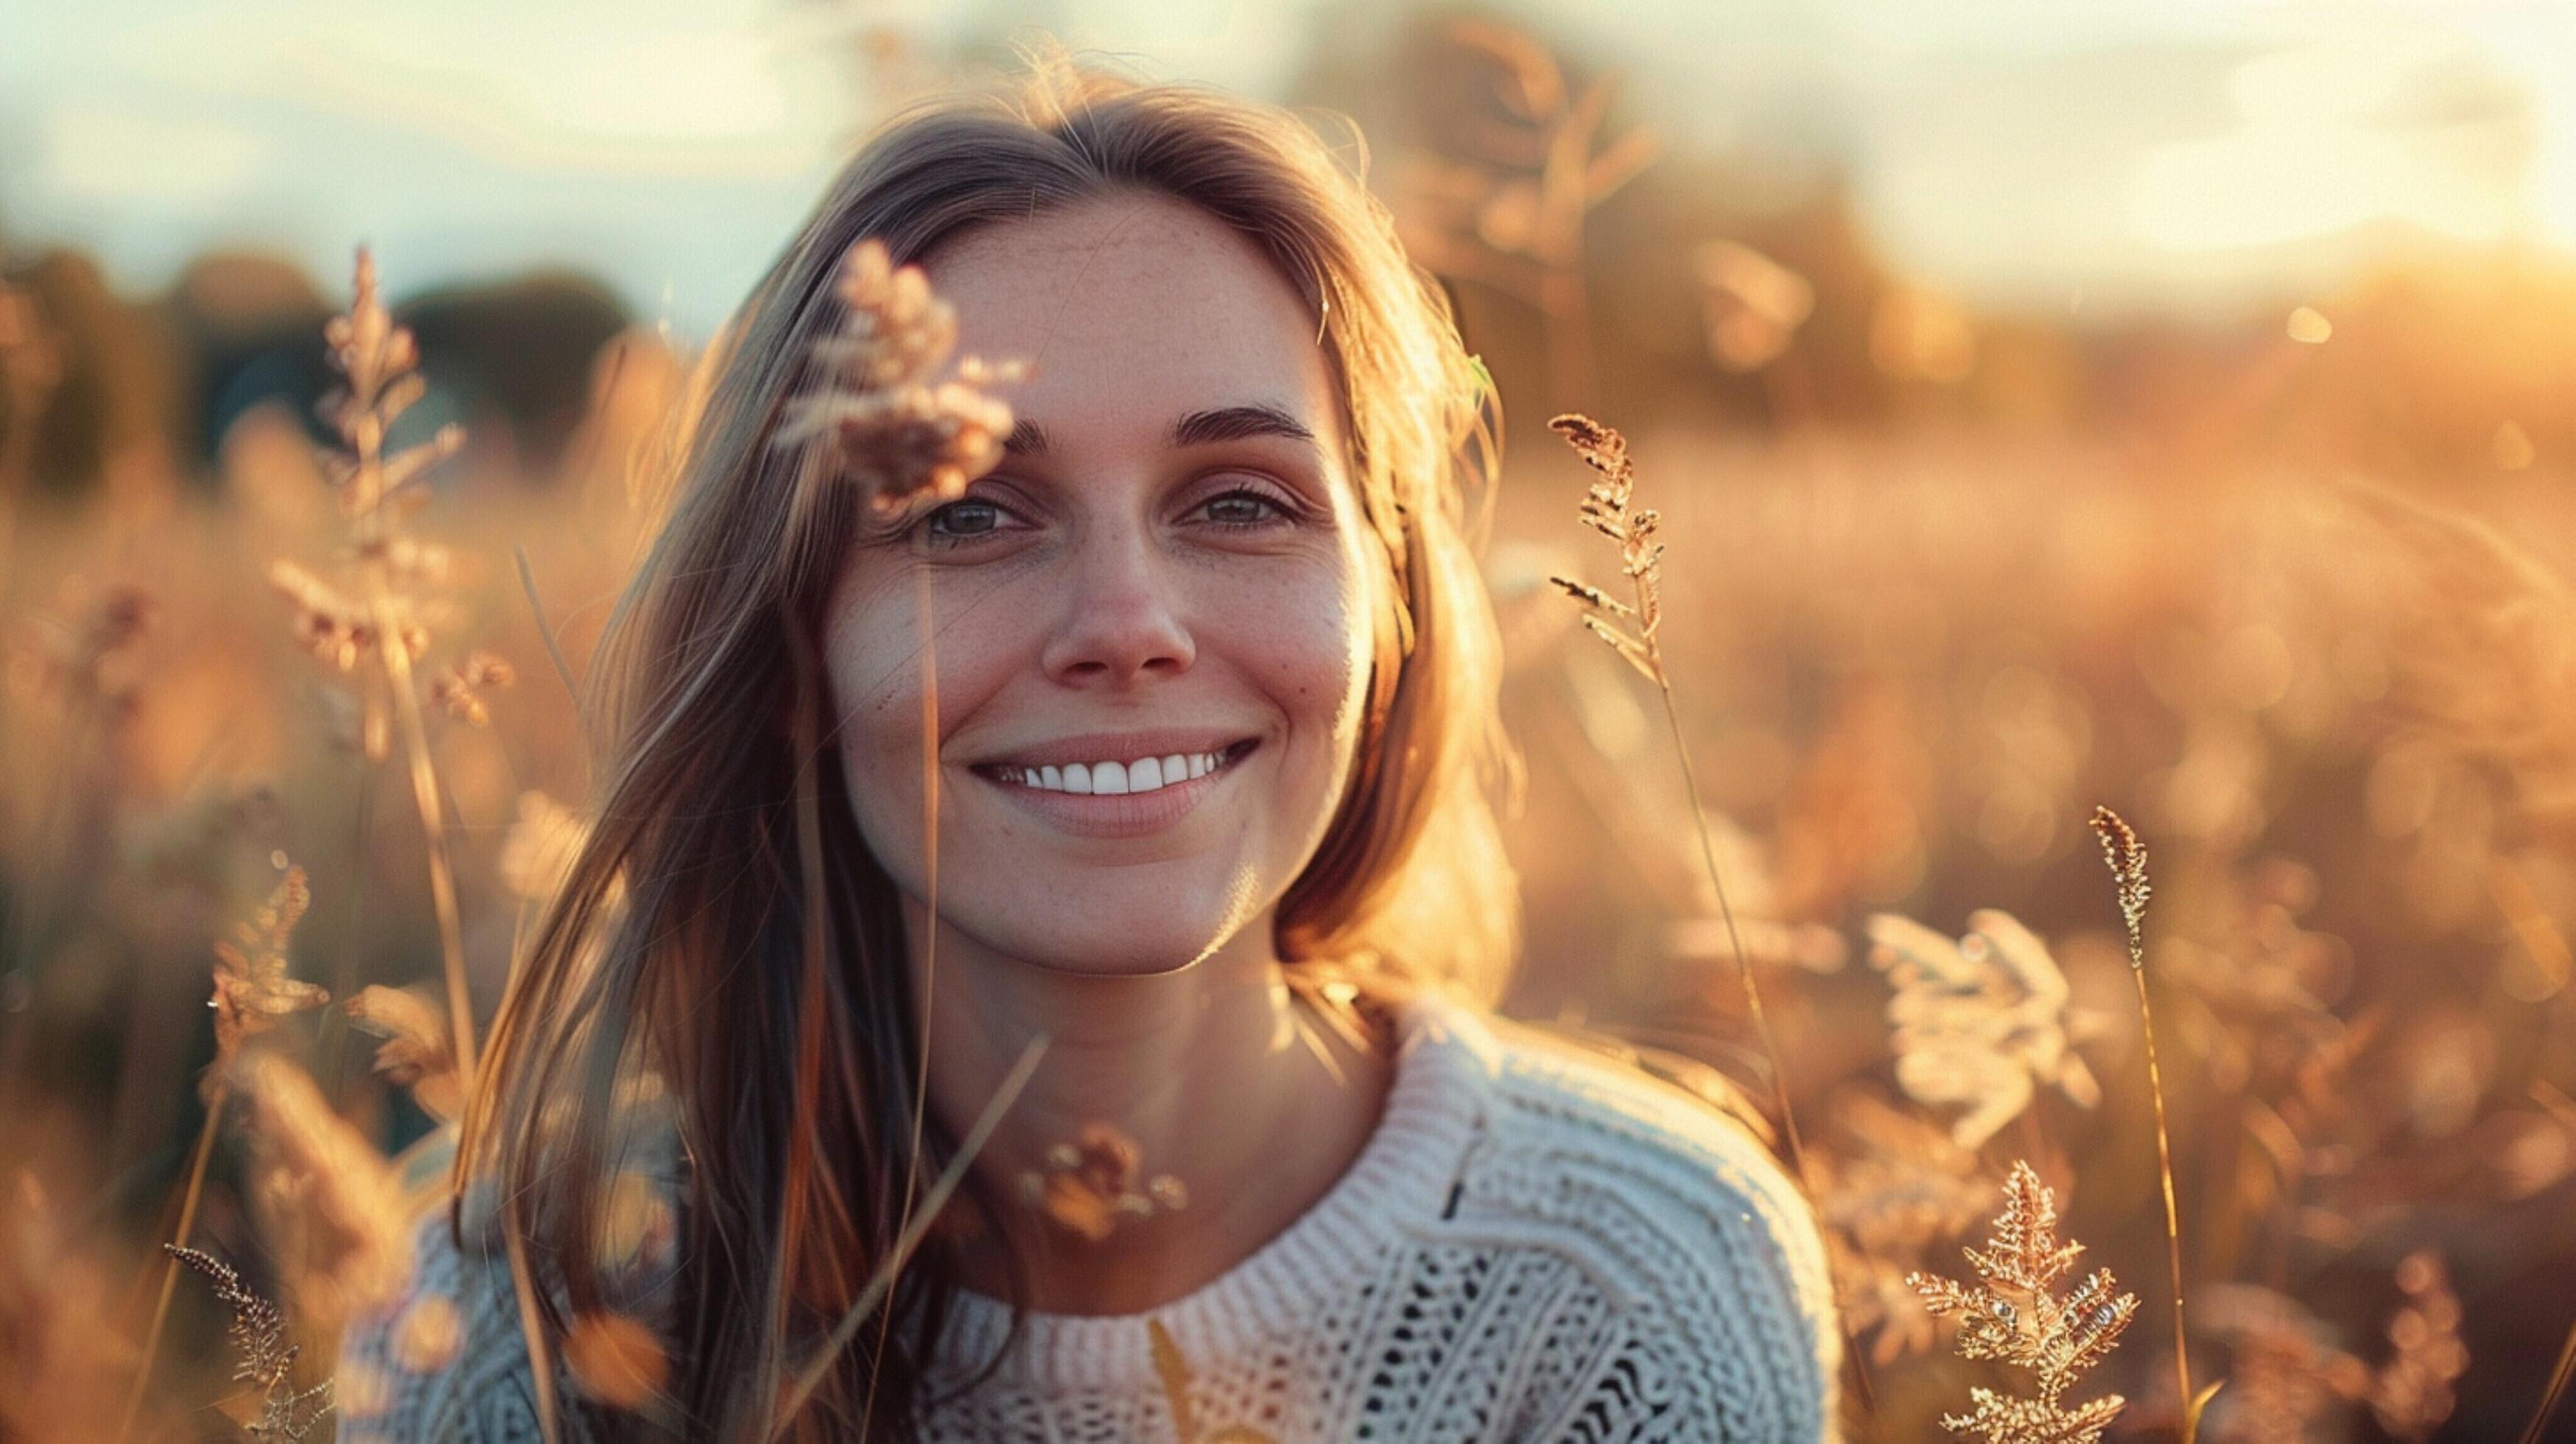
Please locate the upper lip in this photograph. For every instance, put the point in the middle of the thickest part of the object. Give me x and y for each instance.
(1116, 747)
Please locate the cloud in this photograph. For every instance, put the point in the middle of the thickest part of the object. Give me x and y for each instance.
(101, 150)
(2397, 123)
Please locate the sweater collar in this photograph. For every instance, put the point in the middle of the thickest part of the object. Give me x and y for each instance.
(1401, 1179)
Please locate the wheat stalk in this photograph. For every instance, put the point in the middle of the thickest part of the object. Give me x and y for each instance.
(377, 490)
(2126, 853)
(1632, 628)
(377, 356)
(252, 994)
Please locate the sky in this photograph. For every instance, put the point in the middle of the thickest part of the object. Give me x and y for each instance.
(2177, 154)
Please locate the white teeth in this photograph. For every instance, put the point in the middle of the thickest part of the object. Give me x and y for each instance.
(1145, 774)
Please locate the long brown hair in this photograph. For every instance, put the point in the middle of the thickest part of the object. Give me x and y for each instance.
(725, 933)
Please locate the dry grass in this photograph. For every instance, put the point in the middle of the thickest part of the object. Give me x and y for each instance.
(2126, 854)
(389, 620)
(2016, 1315)
(905, 429)
(1909, 657)
(265, 1359)
(252, 994)
(1631, 629)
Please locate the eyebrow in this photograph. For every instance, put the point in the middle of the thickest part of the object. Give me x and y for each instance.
(1199, 428)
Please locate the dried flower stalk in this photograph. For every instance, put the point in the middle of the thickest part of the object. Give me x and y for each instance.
(252, 989)
(2016, 1315)
(252, 992)
(1752, 305)
(2411, 1394)
(415, 1054)
(1979, 1021)
(95, 660)
(459, 690)
(258, 1336)
(1898, 1185)
(890, 418)
(895, 421)
(2126, 853)
(377, 619)
(2556, 1389)
(2284, 1370)
(309, 1164)
(1091, 1186)
(1630, 628)
(92, 660)
(32, 366)
(1511, 214)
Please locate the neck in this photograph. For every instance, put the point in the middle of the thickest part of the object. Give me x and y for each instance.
(1215, 1074)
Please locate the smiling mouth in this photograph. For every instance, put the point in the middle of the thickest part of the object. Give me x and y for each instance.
(1140, 776)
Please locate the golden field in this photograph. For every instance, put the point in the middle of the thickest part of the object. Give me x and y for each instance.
(2289, 588)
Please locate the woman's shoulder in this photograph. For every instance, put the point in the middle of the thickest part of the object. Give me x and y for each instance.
(446, 1357)
(1662, 1120)
(443, 1358)
(1649, 1172)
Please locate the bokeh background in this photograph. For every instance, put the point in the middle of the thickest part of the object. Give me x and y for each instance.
(2052, 403)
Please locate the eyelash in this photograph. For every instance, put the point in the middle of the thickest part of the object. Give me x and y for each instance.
(927, 534)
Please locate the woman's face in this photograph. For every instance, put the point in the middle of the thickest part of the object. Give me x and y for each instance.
(1151, 620)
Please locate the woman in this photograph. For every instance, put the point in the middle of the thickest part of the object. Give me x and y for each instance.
(1209, 685)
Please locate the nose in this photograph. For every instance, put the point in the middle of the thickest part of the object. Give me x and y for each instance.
(1123, 616)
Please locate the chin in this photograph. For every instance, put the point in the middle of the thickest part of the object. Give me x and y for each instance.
(1139, 919)
(1112, 948)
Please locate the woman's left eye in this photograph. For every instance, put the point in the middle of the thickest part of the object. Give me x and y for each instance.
(1245, 509)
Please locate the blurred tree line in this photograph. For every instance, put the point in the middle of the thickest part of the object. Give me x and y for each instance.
(1595, 262)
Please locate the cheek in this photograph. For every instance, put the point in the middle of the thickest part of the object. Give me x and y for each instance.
(864, 647)
(873, 662)
(1307, 636)
(872, 697)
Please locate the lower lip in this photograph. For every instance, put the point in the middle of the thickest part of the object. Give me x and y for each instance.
(1117, 814)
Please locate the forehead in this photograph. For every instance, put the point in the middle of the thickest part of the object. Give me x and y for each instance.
(1134, 310)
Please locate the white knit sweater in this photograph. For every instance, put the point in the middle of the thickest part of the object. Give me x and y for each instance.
(1537, 1244)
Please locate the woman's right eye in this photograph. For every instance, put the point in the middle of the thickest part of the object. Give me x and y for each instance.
(961, 521)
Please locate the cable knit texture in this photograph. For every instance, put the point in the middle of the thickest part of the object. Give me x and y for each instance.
(1536, 1243)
